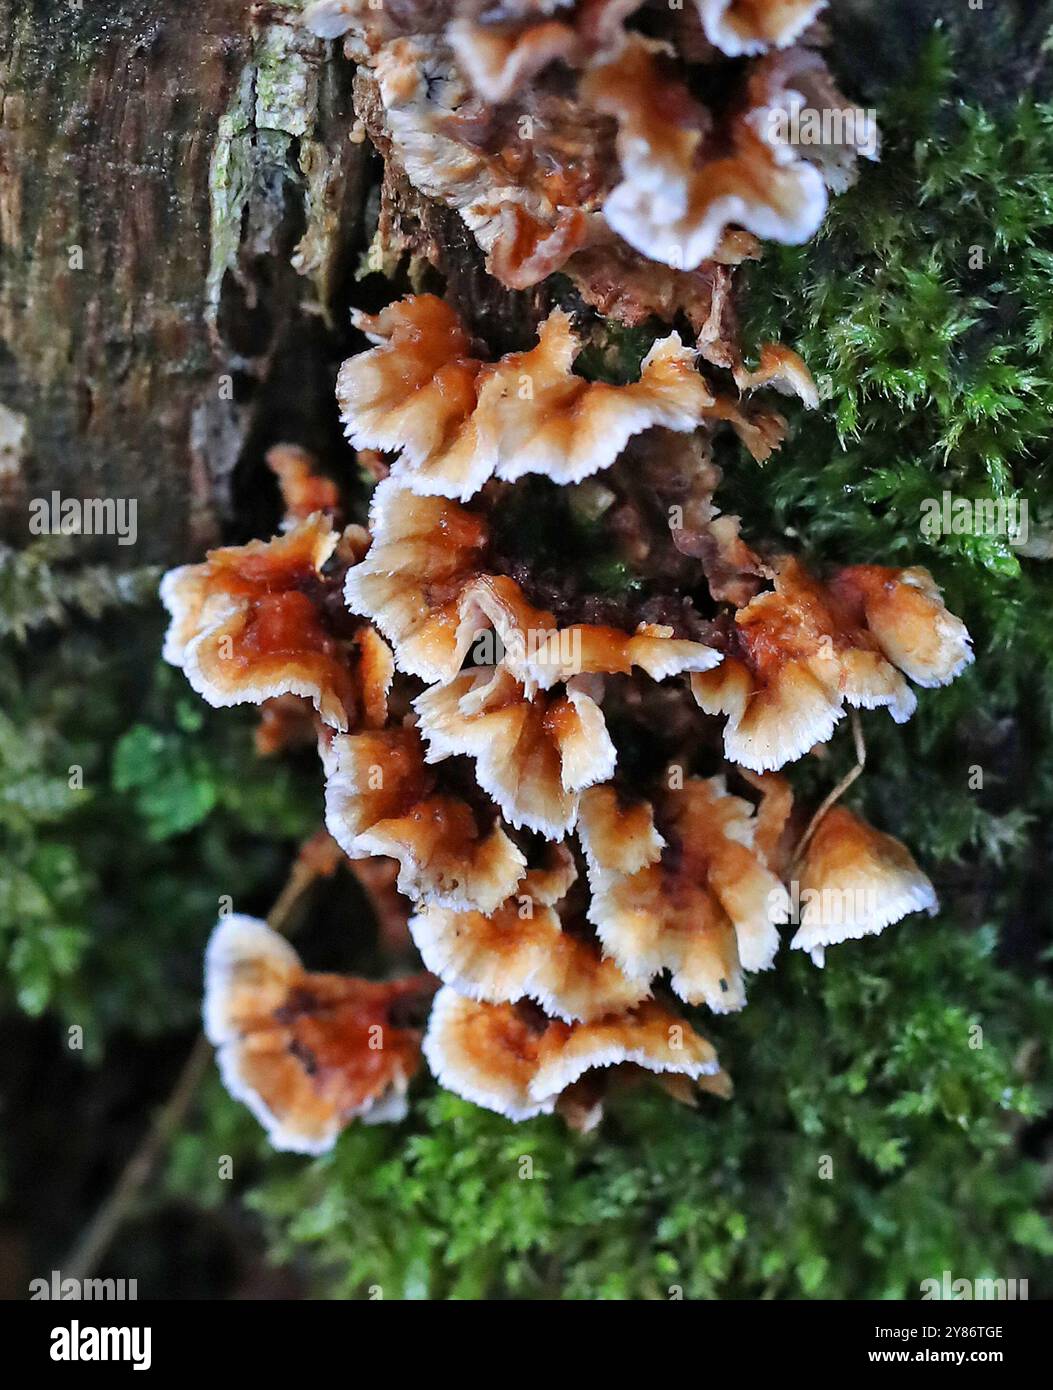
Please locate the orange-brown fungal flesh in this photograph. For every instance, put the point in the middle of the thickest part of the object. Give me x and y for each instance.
(306, 1052)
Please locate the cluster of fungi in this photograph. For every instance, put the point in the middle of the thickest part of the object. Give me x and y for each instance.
(577, 792)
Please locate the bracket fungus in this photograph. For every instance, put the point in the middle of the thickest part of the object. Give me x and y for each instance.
(523, 951)
(307, 1053)
(855, 881)
(571, 782)
(527, 204)
(499, 58)
(699, 901)
(532, 756)
(739, 27)
(520, 1063)
(253, 623)
(381, 798)
(675, 199)
(425, 553)
(802, 651)
(554, 130)
(455, 422)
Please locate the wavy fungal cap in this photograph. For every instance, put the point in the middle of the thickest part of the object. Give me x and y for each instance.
(380, 798)
(498, 59)
(682, 184)
(454, 422)
(245, 627)
(301, 1050)
(329, 19)
(674, 203)
(522, 952)
(426, 552)
(195, 594)
(741, 27)
(703, 908)
(519, 1063)
(540, 654)
(855, 881)
(532, 756)
(805, 651)
(555, 884)
(904, 610)
(425, 583)
(529, 204)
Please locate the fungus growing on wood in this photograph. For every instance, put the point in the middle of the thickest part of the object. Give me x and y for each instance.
(522, 951)
(532, 755)
(800, 105)
(425, 552)
(905, 612)
(509, 115)
(803, 651)
(500, 48)
(307, 1053)
(679, 471)
(513, 1059)
(514, 195)
(781, 369)
(534, 748)
(855, 881)
(498, 59)
(455, 421)
(330, 19)
(252, 623)
(739, 27)
(698, 900)
(676, 199)
(540, 654)
(624, 285)
(304, 490)
(427, 584)
(501, 767)
(381, 798)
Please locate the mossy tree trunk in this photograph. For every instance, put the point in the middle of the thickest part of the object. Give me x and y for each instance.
(180, 210)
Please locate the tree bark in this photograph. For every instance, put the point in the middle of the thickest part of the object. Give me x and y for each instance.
(178, 199)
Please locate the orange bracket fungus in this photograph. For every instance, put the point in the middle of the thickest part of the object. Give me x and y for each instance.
(574, 784)
(306, 1052)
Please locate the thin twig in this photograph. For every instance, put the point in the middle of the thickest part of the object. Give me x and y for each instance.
(98, 1235)
(838, 792)
(107, 1221)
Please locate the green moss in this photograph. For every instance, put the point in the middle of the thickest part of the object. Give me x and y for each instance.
(925, 309)
(866, 1120)
(39, 590)
(614, 353)
(127, 808)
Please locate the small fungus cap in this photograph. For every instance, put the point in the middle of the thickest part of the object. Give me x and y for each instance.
(307, 1053)
(855, 881)
(518, 1062)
